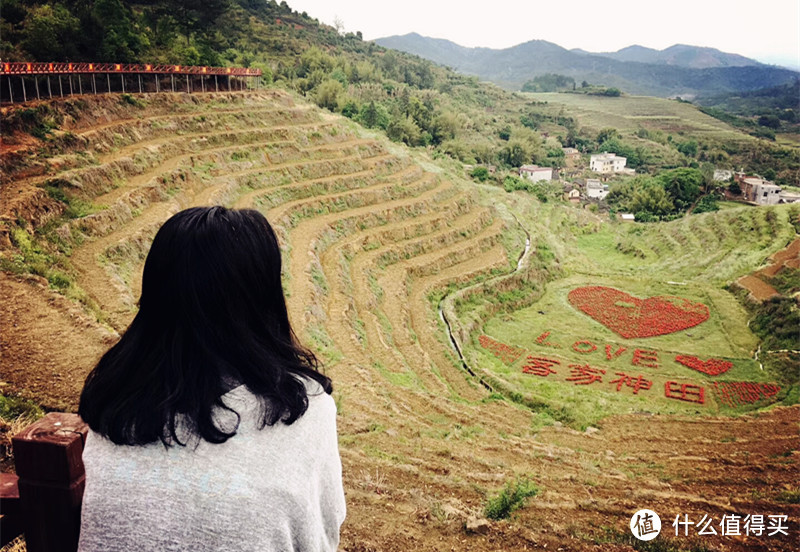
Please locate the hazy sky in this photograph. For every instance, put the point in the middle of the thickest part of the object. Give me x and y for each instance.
(766, 30)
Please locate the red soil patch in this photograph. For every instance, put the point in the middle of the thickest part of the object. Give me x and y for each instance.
(757, 287)
(754, 283)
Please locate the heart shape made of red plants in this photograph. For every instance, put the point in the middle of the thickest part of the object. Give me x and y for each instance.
(712, 366)
(632, 317)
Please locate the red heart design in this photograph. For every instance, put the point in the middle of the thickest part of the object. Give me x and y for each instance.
(631, 317)
(712, 366)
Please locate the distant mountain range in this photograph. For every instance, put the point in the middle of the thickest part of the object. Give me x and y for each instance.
(679, 70)
(681, 55)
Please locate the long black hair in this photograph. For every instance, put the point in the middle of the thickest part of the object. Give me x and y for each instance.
(212, 315)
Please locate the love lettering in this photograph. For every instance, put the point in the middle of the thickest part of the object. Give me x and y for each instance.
(639, 357)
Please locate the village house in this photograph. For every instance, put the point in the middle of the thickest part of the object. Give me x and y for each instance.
(759, 191)
(572, 192)
(574, 196)
(571, 153)
(535, 173)
(605, 163)
(596, 189)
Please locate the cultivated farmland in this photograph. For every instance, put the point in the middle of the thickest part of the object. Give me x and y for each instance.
(376, 239)
(629, 113)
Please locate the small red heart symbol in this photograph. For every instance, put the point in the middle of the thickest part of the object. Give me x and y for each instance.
(631, 317)
(712, 366)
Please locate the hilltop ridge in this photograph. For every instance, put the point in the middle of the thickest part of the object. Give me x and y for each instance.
(678, 70)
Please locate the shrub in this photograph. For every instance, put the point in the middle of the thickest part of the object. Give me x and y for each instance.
(131, 100)
(790, 496)
(13, 407)
(511, 498)
(480, 173)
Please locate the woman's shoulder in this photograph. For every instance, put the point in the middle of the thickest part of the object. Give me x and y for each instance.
(320, 403)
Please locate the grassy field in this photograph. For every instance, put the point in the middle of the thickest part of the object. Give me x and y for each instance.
(691, 258)
(629, 113)
(714, 248)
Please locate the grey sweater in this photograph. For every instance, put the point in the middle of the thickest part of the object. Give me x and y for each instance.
(274, 489)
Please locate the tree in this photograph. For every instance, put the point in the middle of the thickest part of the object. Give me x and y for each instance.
(689, 149)
(404, 129)
(683, 185)
(51, 32)
(606, 134)
(549, 82)
(196, 17)
(651, 198)
(516, 153)
(338, 24)
(443, 127)
(771, 121)
(480, 173)
(709, 184)
(327, 94)
(121, 39)
(643, 196)
(373, 115)
(313, 60)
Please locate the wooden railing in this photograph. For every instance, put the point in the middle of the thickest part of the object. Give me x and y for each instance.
(43, 500)
(66, 68)
(141, 78)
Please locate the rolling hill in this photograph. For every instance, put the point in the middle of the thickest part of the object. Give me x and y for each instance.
(681, 55)
(677, 71)
(376, 239)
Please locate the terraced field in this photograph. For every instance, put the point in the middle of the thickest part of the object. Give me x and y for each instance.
(629, 113)
(374, 236)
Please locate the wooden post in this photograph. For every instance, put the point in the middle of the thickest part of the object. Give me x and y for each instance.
(48, 457)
